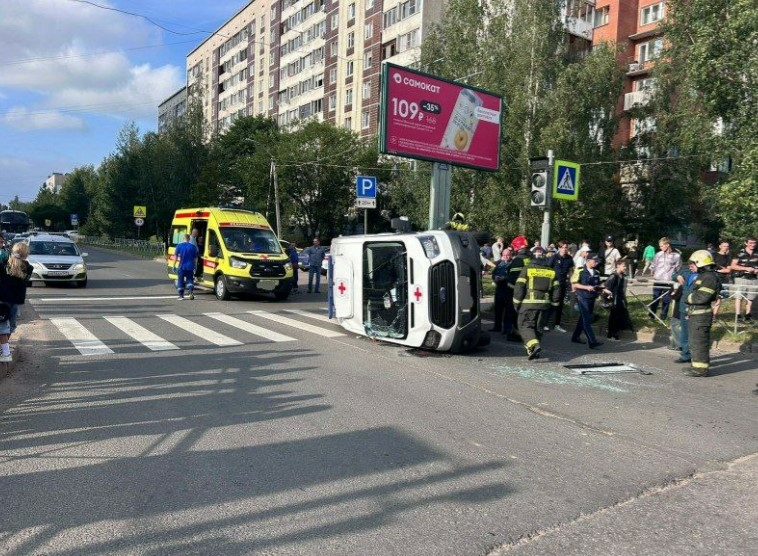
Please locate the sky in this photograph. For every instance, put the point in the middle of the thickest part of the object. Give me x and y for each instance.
(74, 73)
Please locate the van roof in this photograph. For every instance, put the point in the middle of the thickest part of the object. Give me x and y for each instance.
(221, 214)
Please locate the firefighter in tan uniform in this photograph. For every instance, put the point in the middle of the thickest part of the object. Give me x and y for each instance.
(536, 290)
(705, 290)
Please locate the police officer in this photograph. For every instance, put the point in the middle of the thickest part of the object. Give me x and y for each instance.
(535, 291)
(521, 257)
(705, 290)
(503, 294)
(587, 289)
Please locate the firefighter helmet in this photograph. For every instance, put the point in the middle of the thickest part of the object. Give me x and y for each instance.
(702, 258)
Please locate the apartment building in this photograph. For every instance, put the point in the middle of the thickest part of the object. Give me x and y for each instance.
(171, 109)
(634, 24)
(299, 59)
(54, 182)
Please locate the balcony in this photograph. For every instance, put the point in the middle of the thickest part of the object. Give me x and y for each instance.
(638, 68)
(637, 99)
(578, 27)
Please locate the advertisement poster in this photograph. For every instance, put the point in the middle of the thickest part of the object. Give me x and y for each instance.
(429, 118)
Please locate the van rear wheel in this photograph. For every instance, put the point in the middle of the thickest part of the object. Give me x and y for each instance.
(222, 292)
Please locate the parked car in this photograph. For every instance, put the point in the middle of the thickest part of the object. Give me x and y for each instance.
(56, 259)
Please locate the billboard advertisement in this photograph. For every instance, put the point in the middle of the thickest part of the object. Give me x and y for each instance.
(430, 118)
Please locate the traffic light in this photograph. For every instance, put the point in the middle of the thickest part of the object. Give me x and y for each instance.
(539, 188)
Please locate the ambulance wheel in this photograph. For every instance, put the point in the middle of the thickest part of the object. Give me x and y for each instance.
(222, 292)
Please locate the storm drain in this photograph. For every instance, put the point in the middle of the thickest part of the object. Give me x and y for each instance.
(606, 368)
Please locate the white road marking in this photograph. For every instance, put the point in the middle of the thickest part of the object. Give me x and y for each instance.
(80, 337)
(324, 318)
(200, 331)
(297, 324)
(251, 328)
(141, 334)
(125, 298)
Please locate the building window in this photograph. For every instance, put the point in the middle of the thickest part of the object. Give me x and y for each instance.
(335, 21)
(650, 50)
(348, 123)
(332, 102)
(365, 119)
(333, 75)
(350, 40)
(601, 16)
(366, 90)
(349, 97)
(351, 11)
(369, 4)
(367, 60)
(349, 68)
(368, 31)
(273, 12)
(651, 14)
(333, 48)
(647, 84)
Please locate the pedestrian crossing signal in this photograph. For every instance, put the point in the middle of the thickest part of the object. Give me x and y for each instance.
(538, 196)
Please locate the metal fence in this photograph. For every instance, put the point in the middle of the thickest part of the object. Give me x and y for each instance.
(136, 246)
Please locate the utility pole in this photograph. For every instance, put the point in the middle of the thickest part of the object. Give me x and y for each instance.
(545, 239)
(275, 179)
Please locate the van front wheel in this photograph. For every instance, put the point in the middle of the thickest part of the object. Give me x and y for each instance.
(222, 292)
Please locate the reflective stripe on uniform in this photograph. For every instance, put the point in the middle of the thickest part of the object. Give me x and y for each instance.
(708, 290)
(696, 365)
(699, 311)
(531, 343)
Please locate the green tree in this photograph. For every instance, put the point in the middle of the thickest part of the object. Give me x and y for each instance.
(706, 110)
(75, 194)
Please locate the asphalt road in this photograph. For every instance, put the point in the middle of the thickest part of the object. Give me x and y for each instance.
(275, 432)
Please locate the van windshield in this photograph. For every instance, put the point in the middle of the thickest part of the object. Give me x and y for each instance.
(250, 240)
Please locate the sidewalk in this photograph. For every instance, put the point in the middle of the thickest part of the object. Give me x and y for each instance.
(648, 334)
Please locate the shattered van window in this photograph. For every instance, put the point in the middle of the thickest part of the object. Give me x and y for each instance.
(385, 290)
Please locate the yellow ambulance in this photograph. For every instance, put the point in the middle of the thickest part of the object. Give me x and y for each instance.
(239, 252)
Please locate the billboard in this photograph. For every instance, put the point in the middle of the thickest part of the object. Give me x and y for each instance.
(429, 118)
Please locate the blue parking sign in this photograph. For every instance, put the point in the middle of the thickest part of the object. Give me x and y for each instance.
(365, 187)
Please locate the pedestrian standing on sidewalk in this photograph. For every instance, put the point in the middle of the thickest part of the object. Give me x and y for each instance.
(665, 263)
(615, 290)
(745, 268)
(316, 255)
(587, 288)
(14, 276)
(185, 263)
(503, 294)
(563, 264)
(647, 256)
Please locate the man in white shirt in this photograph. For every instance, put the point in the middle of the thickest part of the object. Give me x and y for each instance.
(665, 263)
(610, 255)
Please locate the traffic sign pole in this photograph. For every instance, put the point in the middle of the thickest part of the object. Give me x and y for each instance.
(545, 238)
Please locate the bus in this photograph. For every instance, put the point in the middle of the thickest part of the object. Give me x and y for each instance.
(417, 289)
(14, 222)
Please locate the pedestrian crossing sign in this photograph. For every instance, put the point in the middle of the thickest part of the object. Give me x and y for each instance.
(566, 180)
(140, 211)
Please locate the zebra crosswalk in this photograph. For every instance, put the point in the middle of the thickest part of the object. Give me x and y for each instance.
(167, 330)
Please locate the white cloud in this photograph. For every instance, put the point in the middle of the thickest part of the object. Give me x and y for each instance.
(69, 57)
(22, 119)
